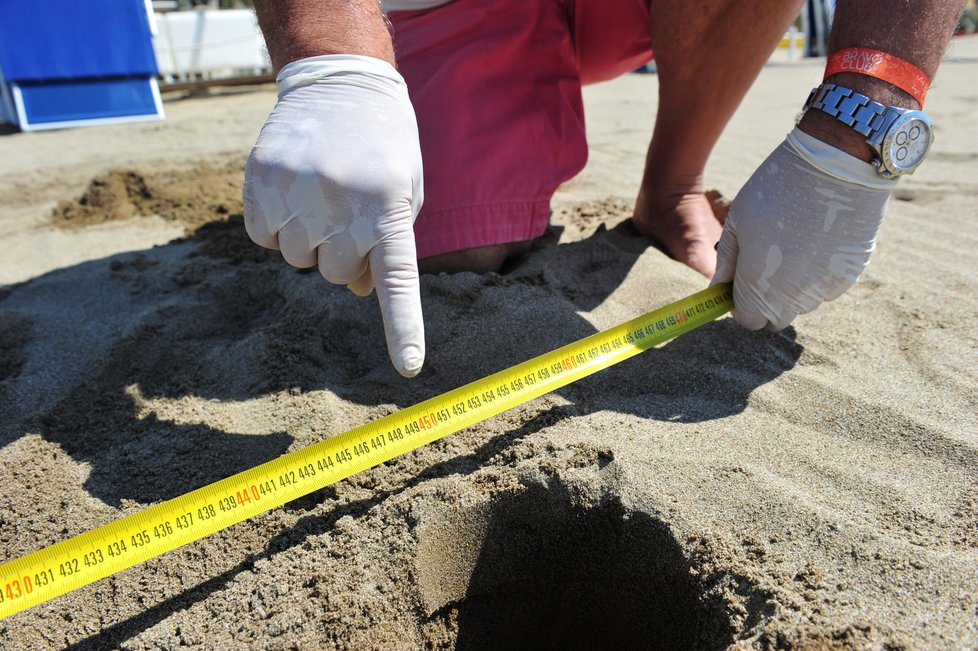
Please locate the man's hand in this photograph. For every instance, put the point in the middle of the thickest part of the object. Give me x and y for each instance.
(800, 231)
(335, 180)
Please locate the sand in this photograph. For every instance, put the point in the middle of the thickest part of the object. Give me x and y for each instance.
(812, 489)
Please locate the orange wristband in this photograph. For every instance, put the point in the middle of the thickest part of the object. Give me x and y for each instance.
(902, 74)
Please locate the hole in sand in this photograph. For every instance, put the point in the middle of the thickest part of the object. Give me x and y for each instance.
(537, 570)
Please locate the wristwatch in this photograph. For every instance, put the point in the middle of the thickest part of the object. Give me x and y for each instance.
(900, 137)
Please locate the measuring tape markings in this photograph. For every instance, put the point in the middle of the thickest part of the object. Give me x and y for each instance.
(101, 552)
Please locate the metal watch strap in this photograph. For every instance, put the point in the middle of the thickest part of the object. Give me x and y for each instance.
(866, 117)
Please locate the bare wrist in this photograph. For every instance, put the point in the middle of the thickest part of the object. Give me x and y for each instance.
(304, 28)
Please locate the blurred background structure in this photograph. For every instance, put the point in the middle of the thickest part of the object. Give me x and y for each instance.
(208, 42)
(68, 63)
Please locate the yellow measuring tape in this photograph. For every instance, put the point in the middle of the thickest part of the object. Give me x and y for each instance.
(98, 553)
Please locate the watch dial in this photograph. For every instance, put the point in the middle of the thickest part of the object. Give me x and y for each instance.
(910, 143)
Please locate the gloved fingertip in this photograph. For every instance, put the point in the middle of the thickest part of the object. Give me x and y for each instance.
(410, 360)
(361, 290)
(783, 322)
(260, 235)
(751, 321)
(363, 285)
(747, 313)
(727, 251)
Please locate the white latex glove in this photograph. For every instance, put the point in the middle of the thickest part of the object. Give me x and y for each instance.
(335, 181)
(800, 231)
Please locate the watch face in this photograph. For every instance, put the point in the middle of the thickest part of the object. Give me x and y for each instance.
(906, 143)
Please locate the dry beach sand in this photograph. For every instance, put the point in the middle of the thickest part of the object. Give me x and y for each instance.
(812, 489)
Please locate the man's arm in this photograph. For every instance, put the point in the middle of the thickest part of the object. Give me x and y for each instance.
(707, 56)
(304, 28)
(803, 227)
(335, 179)
(916, 31)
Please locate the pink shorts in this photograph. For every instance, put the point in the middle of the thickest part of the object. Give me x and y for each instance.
(497, 90)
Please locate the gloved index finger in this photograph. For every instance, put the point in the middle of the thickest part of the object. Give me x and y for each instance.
(395, 274)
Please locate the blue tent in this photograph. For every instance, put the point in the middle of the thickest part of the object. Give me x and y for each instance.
(75, 62)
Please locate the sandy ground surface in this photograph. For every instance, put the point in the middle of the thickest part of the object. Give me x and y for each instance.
(813, 489)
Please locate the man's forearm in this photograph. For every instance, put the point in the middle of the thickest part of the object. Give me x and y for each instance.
(917, 31)
(296, 29)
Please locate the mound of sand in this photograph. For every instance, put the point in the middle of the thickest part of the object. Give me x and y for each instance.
(191, 196)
